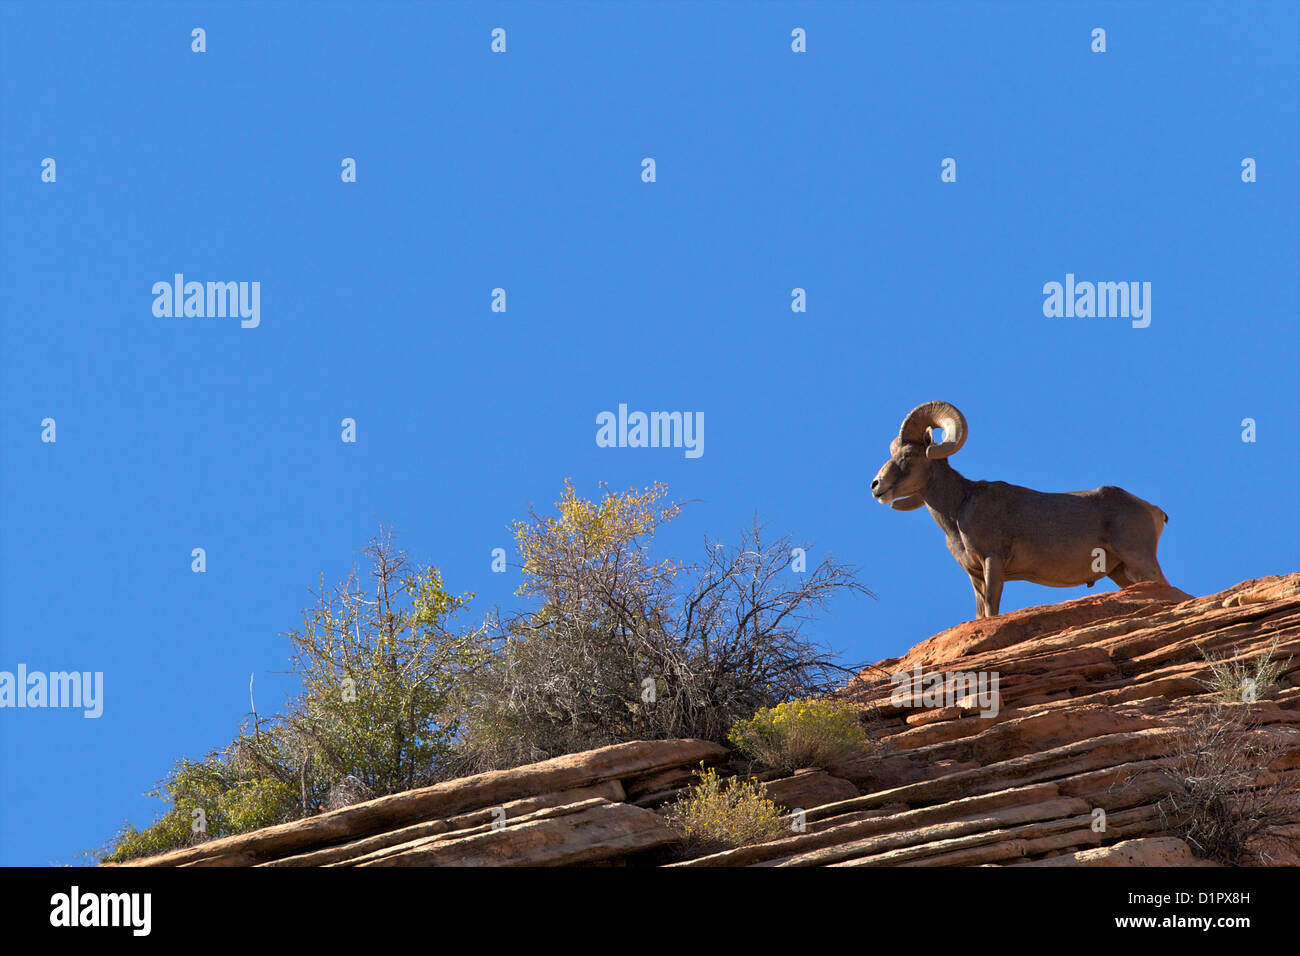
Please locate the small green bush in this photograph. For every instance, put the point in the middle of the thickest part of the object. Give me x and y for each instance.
(1234, 682)
(230, 799)
(718, 814)
(801, 733)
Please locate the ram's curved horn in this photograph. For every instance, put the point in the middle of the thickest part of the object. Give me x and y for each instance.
(935, 415)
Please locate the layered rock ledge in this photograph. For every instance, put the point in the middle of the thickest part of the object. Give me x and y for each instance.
(1092, 697)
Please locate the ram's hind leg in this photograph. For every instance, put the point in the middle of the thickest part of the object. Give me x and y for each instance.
(1135, 544)
(1131, 572)
(1145, 569)
(1121, 577)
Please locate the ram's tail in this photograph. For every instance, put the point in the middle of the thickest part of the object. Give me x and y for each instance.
(1159, 519)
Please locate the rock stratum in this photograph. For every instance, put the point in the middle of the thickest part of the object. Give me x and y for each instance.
(1095, 698)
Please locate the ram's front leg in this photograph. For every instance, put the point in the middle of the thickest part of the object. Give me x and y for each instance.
(992, 583)
(977, 585)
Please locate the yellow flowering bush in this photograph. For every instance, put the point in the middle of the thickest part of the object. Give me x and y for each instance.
(718, 814)
(801, 733)
(587, 533)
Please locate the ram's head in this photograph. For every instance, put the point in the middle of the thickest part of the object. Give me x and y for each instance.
(901, 481)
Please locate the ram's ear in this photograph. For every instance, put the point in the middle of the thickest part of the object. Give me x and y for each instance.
(907, 503)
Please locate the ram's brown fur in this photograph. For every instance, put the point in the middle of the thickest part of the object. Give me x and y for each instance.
(1000, 532)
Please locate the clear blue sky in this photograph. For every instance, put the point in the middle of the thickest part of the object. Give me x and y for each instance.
(775, 170)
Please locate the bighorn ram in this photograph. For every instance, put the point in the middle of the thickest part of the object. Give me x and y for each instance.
(1000, 532)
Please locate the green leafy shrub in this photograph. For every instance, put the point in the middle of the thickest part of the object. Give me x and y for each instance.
(229, 793)
(378, 666)
(801, 733)
(718, 814)
(395, 692)
(625, 644)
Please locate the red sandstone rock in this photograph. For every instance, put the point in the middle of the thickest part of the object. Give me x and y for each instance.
(1093, 695)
